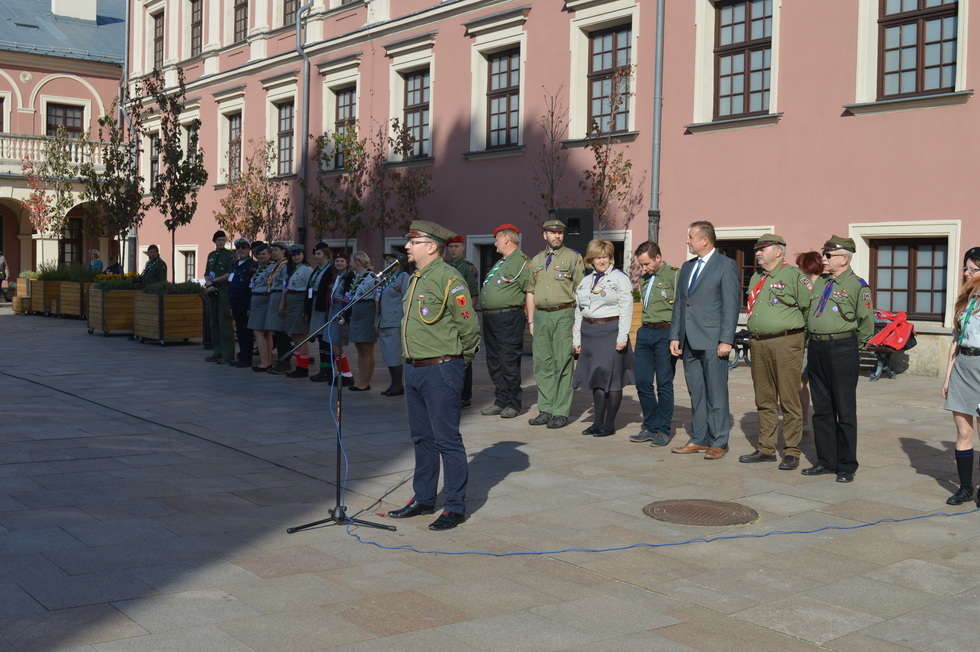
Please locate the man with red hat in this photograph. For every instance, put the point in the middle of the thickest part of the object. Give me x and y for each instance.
(456, 257)
(502, 302)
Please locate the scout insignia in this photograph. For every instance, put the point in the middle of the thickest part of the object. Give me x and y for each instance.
(458, 288)
(461, 300)
(805, 282)
(465, 314)
(424, 310)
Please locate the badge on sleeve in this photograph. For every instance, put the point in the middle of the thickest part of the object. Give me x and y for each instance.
(465, 314)
(461, 301)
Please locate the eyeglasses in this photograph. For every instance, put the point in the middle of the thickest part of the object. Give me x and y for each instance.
(829, 255)
(418, 241)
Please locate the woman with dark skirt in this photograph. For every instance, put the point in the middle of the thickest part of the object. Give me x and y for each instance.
(600, 336)
(318, 303)
(336, 335)
(272, 325)
(390, 324)
(259, 286)
(296, 324)
(363, 320)
(962, 387)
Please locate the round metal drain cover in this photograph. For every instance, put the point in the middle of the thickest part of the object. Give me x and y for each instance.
(700, 512)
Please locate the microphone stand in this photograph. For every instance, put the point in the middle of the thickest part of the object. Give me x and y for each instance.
(338, 514)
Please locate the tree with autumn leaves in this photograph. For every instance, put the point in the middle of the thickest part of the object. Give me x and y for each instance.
(256, 202)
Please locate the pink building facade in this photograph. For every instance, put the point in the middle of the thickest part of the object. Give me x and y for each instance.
(805, 118)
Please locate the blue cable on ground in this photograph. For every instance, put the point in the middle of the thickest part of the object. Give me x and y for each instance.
(726, 537)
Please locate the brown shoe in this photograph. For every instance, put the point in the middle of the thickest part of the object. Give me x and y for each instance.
(688, 448)
(715, 453)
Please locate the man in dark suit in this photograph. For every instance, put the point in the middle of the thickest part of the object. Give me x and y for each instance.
(702, 329)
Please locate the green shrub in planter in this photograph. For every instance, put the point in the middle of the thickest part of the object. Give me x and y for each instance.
(187, 287)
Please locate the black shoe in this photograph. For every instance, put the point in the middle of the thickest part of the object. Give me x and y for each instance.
(465, 403)
(298, 372)
(660, 439)
(321, 377)
(756, 456)
(346, 381)
(541, 420)
(447, 521)
(355, 388)
(789, 463)
(845, 477)
(603, 432)
(591, 430)
(817, 469)
(212, 358)
(241, 364)
(643, 435)
(412, 509)
(964, 494)
(557, 421)
(260, 370)
(398, 391)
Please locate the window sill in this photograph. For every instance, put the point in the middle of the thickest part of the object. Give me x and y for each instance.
(422, 161)
(497, 152)
(621, 137)
(341, 8)
(905, 103)
(220, 186)
(931, 328)
(733, 123)
(284, 177)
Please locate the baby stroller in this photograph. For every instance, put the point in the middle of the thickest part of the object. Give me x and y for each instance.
(893, 333)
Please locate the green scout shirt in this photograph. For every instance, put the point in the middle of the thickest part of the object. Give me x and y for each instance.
(154, 272)
(847, 308)
(468, 271)
(220, 262)
(783, 301)
(506, 283)
(438, 315)
(660, 304)
(555, 285)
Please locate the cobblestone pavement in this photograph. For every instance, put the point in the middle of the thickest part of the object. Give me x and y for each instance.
(144, 497)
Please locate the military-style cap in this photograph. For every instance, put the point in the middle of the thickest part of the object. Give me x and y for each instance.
(767, 239)
(242, 243)
(218, 234)
(431, 230)
(280, 244)
(259, 247)
(837, 242)
(456, 238)
(256, 243)
(554, 225)
(296, 249)
(506, 227)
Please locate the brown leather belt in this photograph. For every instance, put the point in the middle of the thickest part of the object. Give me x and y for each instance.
(772, 336)
(428, 362)
(561, 306)
(497, 311)
(826, 337)
(968, 350)
(656, 324)
(598, 320)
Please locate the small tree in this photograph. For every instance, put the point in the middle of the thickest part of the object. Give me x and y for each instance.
(51, 182)
(174, 191)
(550, 164)
(336, 202)
(256, 202)
(410, 184)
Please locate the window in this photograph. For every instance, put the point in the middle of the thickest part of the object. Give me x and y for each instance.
(190, 264)
(1, 114)
(158, 41)
(743, 253)
(344, 116)
(609, 64)
(154, 159)
(910, 275)
(70, 245)
(64, 115)
(743, 58)
(917, 47)
(284, 138)
(289, 8)
(192, 140)
(197, 22)
(241, 20)
(417, 111)
(503, 99)
(234, 145)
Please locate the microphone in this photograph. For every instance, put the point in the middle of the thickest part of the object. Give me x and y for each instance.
(387, 270)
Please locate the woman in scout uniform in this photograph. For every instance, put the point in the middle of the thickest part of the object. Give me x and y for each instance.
(600, 336)
(362, 318)
(440, 334)
(317, 302)
(962, 387)
(276, 313)
(341, 277)
(294, 299)
(839, 322)
(259, 286)
(390, 324)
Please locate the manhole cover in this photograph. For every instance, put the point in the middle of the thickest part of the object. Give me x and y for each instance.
(700, 512)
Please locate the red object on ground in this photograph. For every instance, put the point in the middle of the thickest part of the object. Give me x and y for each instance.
(896, 334)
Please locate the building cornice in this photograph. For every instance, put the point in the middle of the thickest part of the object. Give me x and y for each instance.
(495, 22)
(12, 59)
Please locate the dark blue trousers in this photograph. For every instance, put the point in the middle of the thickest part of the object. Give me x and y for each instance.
(246, 338)
(653, 362)
(433, 395)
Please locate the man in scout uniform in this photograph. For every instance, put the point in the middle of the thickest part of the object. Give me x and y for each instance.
(555, 275)
(217, 301)
(653, 360)
(778, 300)
(155, 270)
(502, 304)
(440, 335)
(455, 256)
(240, 296)
(839, 322)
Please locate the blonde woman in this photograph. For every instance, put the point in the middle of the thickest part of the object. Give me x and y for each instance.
(363, 320)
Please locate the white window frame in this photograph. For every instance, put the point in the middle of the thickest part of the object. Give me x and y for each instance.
(593, 17)
(337, 76)
(866, 73)
(338, 243)
(228, 104)
(185, 30)
(395, 241)
(619, 235)
(276, 92)
(70, 101)
(179, 275)
(407, 58)
(473, 241)
(704, 61)
(862, 234)
(8, 98)
(150, 10)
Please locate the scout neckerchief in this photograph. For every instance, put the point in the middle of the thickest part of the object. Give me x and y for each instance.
(967, 315)
(646, 293)
(493, 270)
(596, 277)
(551, 254)
(274, 273)
(827, 291)
(758, 288)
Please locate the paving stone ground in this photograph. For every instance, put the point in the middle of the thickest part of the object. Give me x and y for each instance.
(144, 497)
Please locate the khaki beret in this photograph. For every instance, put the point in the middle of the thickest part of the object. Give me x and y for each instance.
(837, 242)
(767, 239)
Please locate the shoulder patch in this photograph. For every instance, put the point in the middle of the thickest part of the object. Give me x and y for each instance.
(461, 300)
(458, 288)
(863, 283)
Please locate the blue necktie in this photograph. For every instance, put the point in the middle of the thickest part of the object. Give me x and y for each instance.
(694, 275)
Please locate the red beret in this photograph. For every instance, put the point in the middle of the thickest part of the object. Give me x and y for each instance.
(506, 227)
(456, 238)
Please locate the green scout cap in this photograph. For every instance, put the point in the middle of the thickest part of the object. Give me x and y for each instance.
(767, 239)
(837, 242)
(553, 225)
(296, 248)
(427, 229)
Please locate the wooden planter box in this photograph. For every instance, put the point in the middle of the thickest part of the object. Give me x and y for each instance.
(110, 310)
(24, 289)
(21, 305)
(74, 298)
(637, 321)
(167, 317)
(45, 296)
